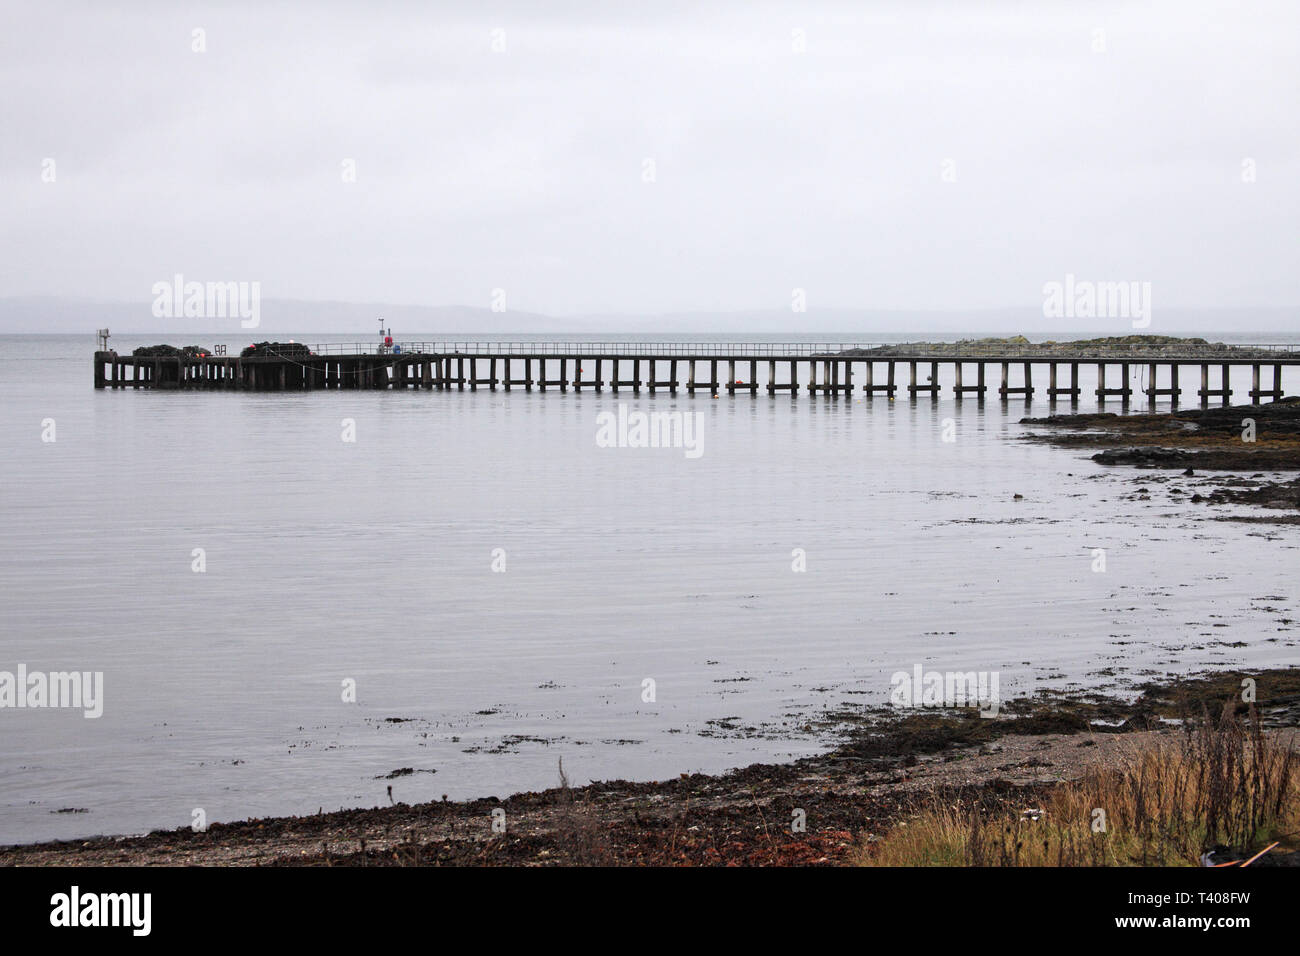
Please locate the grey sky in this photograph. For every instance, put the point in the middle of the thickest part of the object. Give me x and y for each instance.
(774, 169)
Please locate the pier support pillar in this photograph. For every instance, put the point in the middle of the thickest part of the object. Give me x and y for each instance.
(1257, 391)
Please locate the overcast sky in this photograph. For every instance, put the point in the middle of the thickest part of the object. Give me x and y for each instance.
(905, 155)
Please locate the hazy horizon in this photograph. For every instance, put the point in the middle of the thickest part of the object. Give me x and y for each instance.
(60, 315)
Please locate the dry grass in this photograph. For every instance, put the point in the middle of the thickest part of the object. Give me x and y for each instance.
(580, 833)
(1222, 783)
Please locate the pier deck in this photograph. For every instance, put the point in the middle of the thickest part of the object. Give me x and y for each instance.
(826, 369)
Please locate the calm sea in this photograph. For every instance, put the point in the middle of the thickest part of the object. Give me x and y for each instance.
(330, 564)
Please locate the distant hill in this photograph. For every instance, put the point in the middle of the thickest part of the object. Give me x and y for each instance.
(51, 314)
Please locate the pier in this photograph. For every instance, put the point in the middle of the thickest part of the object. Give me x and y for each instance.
(832, 370)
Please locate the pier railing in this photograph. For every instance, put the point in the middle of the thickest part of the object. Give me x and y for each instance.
(1059, 351)
(498, 347)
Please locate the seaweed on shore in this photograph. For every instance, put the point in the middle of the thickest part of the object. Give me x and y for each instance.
(858, 788)
(1233, 438)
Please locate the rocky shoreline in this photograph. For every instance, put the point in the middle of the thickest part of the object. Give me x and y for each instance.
(883, 768)
(1244, 440)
